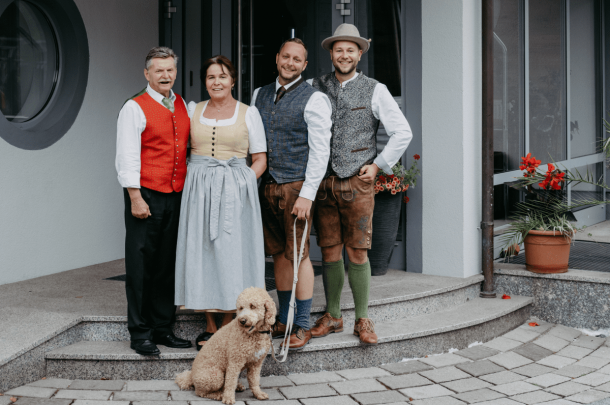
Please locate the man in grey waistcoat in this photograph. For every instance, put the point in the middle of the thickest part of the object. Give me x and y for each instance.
(297, 125)
(345, 200)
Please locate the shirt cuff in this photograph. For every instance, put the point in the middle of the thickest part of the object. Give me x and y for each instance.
(127, 182)
(382, 164)
(308, 192)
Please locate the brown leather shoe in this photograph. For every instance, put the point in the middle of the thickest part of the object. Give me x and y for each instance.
(278, 330)
(298, 338)
(365, 330)
(327, 325)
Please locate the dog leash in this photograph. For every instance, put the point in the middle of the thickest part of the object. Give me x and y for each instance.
(290, 321)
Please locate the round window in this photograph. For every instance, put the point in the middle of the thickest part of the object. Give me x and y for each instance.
(29, 61)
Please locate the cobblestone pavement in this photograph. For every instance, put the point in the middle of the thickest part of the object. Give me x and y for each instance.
(545, 364)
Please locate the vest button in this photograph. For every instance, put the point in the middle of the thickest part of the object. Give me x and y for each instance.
(270, 130)
(213, 133)
(212, 150)
(212, 144)
(213, 139)
(214, 128)
(270, 150)
(273, 112)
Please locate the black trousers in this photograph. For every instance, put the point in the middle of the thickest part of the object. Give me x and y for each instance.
(150, 262)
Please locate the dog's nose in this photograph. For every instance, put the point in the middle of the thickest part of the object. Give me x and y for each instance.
(242, 321)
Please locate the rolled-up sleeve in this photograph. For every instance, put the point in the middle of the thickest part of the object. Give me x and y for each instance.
(398, 129)
(318, 112)
(130, 125)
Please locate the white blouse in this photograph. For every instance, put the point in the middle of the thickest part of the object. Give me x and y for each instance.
(254, 122)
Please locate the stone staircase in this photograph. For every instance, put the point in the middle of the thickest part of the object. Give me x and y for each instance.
(415, 315)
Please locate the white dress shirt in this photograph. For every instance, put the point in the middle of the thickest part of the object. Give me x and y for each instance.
(386, 110)
(256, 130)
(317, 114)
(130, 125)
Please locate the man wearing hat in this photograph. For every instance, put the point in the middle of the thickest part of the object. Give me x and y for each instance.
(345, 199)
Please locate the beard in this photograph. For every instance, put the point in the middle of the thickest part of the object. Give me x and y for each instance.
(289, 76)
(345, 70)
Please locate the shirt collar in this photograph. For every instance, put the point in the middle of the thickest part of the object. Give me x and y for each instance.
(349, 80)
(158, 97)
(286, 86)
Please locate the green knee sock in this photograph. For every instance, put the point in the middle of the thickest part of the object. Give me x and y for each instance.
(334, 276)
(359, 276)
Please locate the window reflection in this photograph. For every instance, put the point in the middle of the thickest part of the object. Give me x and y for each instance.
(28, 61)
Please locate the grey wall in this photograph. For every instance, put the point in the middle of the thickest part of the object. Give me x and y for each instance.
(61, 207)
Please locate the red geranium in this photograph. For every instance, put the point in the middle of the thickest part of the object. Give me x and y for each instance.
(382, 178)
(553, 178)
(529, 164)
(416, 157)
(405, 199)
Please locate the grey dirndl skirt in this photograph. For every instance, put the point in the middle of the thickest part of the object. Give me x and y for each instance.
(220, 249)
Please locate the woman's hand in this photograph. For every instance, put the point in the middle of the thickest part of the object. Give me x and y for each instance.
(259, 163)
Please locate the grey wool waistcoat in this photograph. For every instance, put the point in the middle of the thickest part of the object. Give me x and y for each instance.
(354, 131)
(286, 130)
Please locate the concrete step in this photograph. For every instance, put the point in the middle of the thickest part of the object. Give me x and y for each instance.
(406, 337)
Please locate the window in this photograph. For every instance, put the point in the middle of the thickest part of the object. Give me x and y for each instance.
(40, 94)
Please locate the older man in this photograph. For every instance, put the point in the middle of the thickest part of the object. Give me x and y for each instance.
(344, 207)
(152, 134)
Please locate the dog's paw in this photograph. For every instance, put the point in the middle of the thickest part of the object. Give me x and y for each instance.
(228, 400)
(240, 387)
(261, 395)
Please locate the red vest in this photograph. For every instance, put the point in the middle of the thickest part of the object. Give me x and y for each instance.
(163, 156)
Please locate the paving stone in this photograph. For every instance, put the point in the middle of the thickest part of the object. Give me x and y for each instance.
(56, 383)
(95, 402)
(140, 396)
(574, 352)
(593, 362)
(342, 400)
(605, 370)
(589, 396)
(357, 386)
(556, 361)
(535, 397)
(568, 388)
(100, 395)
(479, 368)
(564, 332)
(406, 367)
(360, 373)
(590, 342)
(467, 384)
(267, 402)
(185, 396)
(447, 359)
(593, 379)
(521, 335)
(428, 391)
(485, 394)
(533, 352)
(603, 351)
(515, 388)
(315, 378)
(603, 387)
(7, 401)
(445, 374)
(548, 380)
(247, 395)
(552, 343)
(502, 344)
(37, 401)
(307, 391)
(103, 385)
(205, 401)
(561, 402)
(152, 385)
(509, 360)
(533, 370)
(574, 371)
(405, 381)
(478, 352)
(27, 391)
(275, 381)
(385, 397)
(500, 401)
(438, 401)
(503, 377)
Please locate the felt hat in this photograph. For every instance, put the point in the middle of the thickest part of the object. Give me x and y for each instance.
(346, 32)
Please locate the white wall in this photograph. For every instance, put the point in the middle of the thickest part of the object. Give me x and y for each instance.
(451, 137)
(62, 207)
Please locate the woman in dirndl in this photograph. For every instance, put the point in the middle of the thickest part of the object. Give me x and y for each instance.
(220, 248)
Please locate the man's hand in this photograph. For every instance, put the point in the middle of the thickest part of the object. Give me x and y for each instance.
(139, 208)
(368, 173)
(301, 208)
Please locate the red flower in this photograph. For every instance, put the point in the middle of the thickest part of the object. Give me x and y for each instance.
(405, 199)
(416, 157)
(533, 324)
(406, 187)
(382, 179)
(393, 192)
(529, 163)
(506, 297)
(390, 176)
(378, 183)
(554, 178)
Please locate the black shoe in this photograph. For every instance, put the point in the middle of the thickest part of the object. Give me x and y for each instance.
(145, 347)
(170, 340)
(204, 337)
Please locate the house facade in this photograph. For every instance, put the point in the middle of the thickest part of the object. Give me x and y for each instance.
(67, 66)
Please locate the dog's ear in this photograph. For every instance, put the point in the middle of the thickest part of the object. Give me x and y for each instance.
(270, 312)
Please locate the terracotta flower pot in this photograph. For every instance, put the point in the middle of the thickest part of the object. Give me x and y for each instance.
(547, 252)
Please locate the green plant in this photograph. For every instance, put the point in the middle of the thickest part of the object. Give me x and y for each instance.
(545, 207)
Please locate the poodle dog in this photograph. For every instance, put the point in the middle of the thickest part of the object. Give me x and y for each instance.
(242, 344)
